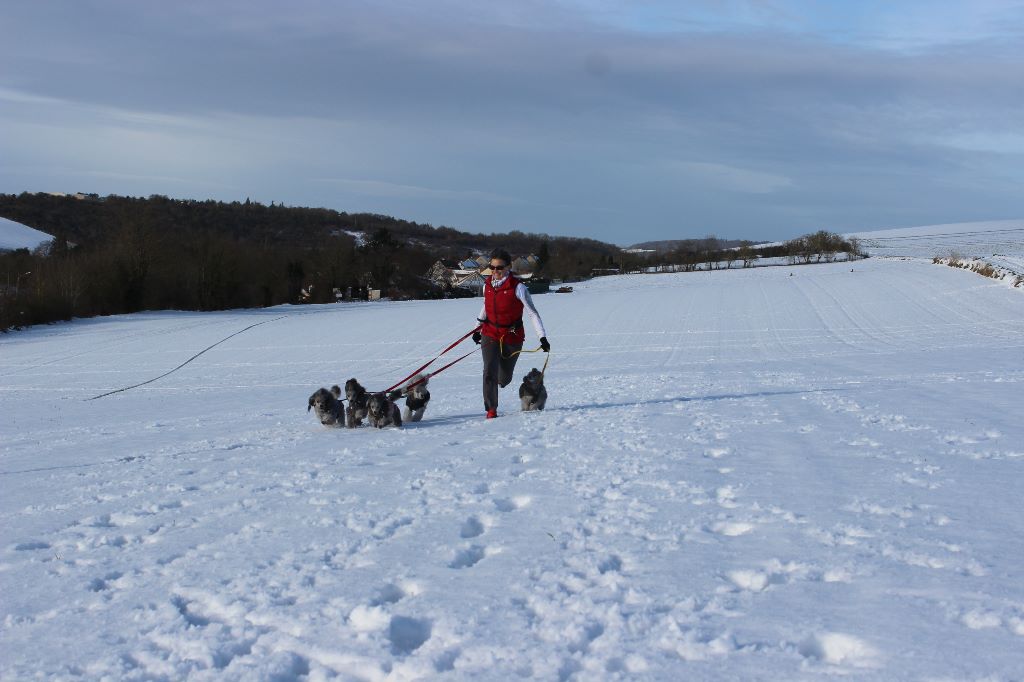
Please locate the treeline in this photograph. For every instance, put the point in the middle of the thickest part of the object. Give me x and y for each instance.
(137, 268)
(124, 254)
(683, 255)
(822, 246)
(712, 253)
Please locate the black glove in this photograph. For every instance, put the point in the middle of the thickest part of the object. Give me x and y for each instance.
(477, 337)
(544, 345)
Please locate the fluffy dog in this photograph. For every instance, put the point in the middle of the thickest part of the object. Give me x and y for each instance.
(328, 406)
(532, 393)
(357, 398)
(382, 411)
(416, 399)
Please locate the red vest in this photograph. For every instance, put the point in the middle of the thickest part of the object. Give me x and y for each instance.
(504, 312)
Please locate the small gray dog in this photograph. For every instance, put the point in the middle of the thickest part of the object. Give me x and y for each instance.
(357, 398)
(532, 393)
(328, 406)
(382, 411)
(416, 399)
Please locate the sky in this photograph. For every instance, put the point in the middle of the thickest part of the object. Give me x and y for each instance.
(619, 121)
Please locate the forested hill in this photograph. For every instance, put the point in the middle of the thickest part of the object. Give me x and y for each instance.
(121, 254)
(93, 219)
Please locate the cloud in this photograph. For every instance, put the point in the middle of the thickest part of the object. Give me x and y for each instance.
(994, 142)
(732, 178)
(379, 188)
(740, 113)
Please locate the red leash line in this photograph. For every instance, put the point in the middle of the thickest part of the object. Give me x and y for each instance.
(427, 364)
(433, 374)
(445, 367)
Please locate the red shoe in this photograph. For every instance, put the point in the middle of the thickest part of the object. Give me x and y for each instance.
(491, 414)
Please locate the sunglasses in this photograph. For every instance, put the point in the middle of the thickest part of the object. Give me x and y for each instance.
(498, 267)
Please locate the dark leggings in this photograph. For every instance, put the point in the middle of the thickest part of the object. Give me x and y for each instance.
(499, 363)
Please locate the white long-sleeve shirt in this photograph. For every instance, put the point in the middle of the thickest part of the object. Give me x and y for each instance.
(523, 294)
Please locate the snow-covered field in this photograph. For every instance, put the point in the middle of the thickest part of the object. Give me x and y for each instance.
(773, 474)
(17, 236)
(999, 242)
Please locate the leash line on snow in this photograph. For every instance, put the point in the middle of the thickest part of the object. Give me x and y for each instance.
(128, 388)
(405, 389)
(428, 363)
(428, 375)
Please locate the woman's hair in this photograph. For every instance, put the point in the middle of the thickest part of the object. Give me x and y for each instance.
(503, 255)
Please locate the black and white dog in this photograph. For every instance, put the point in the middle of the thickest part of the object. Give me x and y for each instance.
(329, 408)
(416, 399)
(532, 393)
(358, 399)
(382, 411)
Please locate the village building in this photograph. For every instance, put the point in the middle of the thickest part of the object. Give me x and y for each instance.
(469, 273)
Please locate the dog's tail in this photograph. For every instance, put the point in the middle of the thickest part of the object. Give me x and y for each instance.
(336, 390)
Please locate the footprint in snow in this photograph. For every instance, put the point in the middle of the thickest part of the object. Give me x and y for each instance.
(726, 496)
(731, 528)
(754, 580)
(611, 564)
(468, 557)
(776, 572)
(511, 504)
(102, 584)
(392, 593)
(472, 527)
(408, 634)
(840, 649)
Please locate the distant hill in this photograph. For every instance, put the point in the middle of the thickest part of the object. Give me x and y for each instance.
(116, 254)
(17, 236)
(91, 219)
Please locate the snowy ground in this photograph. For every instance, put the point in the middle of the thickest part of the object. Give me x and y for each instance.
(775, 473)
(999, 242)
(17, 236)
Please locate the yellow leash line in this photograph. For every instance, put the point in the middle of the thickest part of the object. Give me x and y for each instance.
(538, 349)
